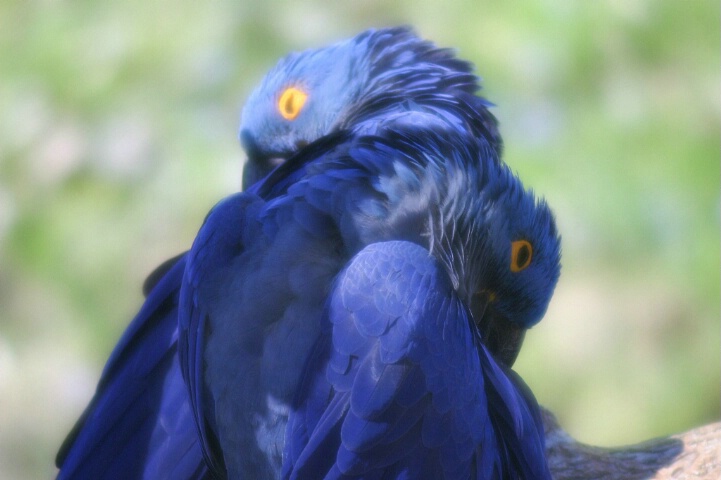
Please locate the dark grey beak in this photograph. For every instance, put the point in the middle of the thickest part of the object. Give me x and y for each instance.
(504, 339)
(259, 164)
(257, 168)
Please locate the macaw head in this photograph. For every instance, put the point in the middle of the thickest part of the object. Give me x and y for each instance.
(313, 93)
(498, 245)
(518, 265)
(300, 100)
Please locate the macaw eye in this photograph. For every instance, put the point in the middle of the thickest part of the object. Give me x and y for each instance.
(291, 102)
(521, 254)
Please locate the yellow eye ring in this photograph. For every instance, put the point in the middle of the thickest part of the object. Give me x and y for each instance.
(291, 102)
(521, 255)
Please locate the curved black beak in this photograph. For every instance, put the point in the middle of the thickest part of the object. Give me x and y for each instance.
(257, 168)
(503, 338)
(259, 163)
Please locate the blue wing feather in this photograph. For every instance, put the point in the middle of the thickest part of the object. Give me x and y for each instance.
(139, 423)
(218, 242)
(410, 383)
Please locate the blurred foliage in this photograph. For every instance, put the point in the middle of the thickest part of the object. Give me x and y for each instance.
(118, 133)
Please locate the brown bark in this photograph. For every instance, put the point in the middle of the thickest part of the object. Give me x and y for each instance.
(695, 454)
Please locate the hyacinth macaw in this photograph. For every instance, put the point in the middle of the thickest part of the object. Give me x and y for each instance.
(356, 310)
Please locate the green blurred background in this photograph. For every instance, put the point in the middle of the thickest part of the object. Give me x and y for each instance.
(118, 133)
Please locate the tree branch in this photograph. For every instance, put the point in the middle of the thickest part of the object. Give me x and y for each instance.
(695, 454)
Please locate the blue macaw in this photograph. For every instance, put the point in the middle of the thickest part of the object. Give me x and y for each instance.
(356, 310)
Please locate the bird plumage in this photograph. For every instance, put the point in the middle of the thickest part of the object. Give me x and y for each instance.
(139, 423)
(336, 316)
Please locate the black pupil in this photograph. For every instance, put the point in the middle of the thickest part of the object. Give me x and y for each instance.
(289, 104)
(523, 254)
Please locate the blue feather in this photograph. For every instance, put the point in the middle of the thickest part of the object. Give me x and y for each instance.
(139, 423)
